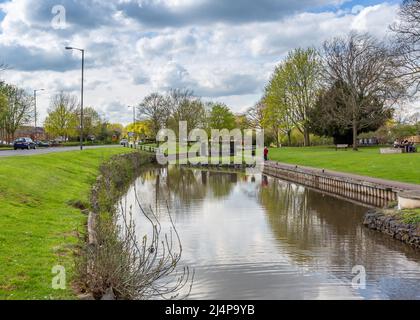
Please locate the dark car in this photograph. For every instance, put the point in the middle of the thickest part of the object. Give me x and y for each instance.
(24, 143)
(43, 144)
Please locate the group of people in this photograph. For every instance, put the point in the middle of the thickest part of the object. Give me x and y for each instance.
(408, 146)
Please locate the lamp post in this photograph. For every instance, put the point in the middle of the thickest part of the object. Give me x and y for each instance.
(36, 130)
(134, 123)
(82, 96)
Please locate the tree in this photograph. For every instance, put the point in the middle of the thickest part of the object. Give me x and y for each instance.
(3, 108)
(255, 115)
(184, 106)
(301, 75)
(17, 111)
(363, 73)
(91, 122)
(407, 40)
(221, 117)
(142, 129)
(330, 117)
(115, 130)
(277, 114)
(155, 110)
(242, 122)
(62, 120)
(3, 67)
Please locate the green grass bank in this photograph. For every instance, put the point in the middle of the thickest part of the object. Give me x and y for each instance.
(367, 162)
(39, 226)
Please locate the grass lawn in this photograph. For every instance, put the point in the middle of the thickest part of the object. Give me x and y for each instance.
(38, 226)
(368, 162)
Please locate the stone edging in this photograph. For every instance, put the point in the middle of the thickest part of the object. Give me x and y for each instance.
(393, 226)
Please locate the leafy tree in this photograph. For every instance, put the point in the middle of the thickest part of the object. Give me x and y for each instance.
(242, 122)
(62, 120)
(115, 129)
(142, 129)
(221, 117)
(17, 111)
(402, 131)
(300, 76)
(92, 122)
(277, 114)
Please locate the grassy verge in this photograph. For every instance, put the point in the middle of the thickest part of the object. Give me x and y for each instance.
(39, 227)
(407, 216)
(367, 162)
(411, 216)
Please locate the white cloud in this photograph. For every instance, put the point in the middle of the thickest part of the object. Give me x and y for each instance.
(227, 59)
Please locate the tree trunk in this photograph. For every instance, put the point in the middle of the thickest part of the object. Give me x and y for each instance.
(289, 137)
(307, 138)
(355, 148)
(278, 139)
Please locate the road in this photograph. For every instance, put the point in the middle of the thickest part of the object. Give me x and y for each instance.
(23, 153)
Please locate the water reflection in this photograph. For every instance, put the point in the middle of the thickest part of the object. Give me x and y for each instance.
(255, 237)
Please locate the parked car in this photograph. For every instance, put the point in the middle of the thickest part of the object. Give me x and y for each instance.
(24, 143)
(43, 144)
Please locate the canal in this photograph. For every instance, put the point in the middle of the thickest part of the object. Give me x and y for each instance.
(257, 237)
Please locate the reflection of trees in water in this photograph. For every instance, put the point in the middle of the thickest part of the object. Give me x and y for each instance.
(307, 220)
(287, 210)
(222, 183)
(182, 187)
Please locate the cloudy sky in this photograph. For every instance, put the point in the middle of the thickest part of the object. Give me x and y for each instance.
(224, 50)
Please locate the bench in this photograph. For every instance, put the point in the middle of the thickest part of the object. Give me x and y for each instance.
(392, 150)
(341, 146)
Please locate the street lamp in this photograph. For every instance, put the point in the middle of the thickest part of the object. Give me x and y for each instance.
(36, 130)
(81, 100)
(134, 123)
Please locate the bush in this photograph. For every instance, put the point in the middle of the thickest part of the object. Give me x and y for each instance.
(113, 263)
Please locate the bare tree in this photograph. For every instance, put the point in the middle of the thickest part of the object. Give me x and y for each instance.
(3, 67)
(3, 109)
(184, 106)
(364, 75)
(407, 39)
(155, 109)
(255, 115)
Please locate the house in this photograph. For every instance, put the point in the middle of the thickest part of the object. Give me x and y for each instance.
(30, 132)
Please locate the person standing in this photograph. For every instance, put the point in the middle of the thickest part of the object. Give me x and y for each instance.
(266, 154)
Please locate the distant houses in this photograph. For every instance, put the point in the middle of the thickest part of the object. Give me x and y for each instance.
(27, 131)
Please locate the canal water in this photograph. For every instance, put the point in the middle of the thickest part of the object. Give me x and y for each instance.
(256, 237)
